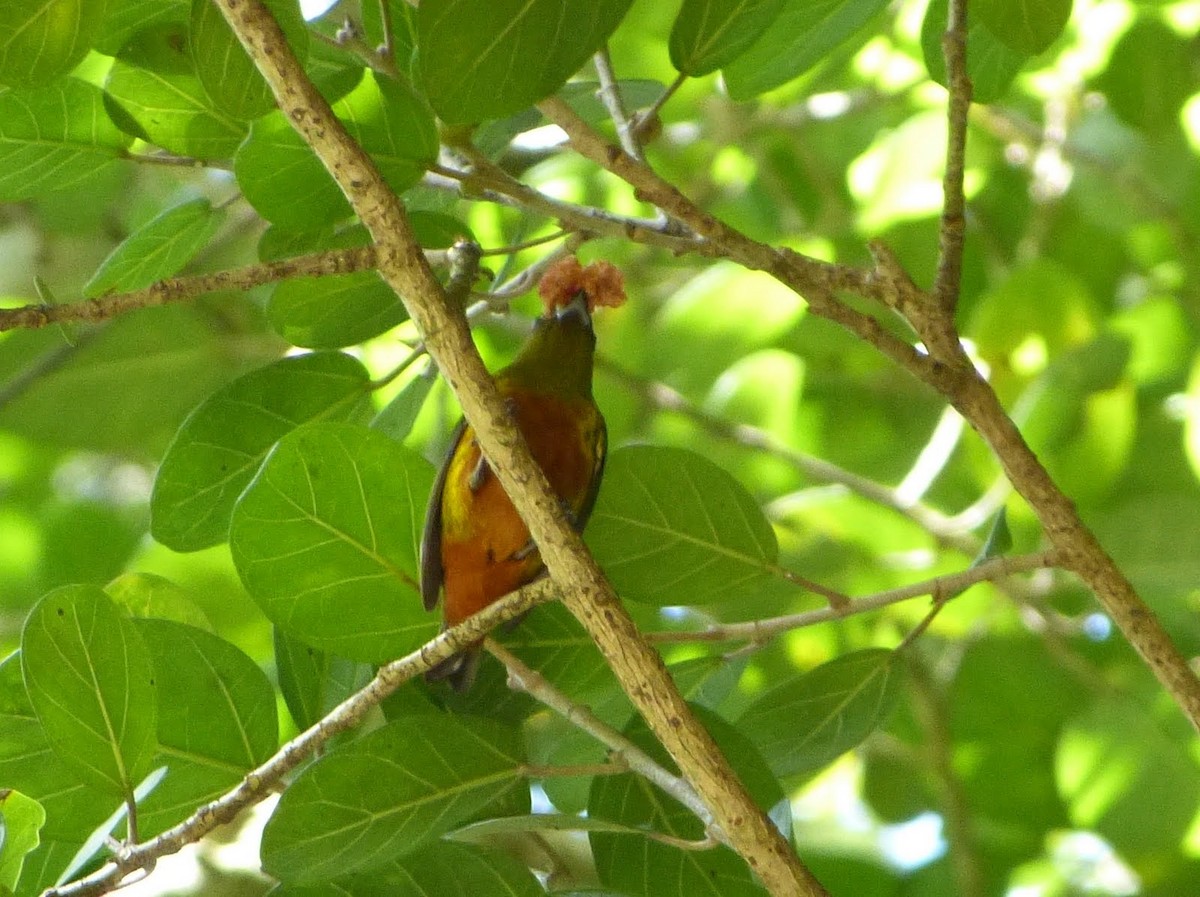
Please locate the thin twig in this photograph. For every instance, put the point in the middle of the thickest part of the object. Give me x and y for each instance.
(386, 50)
(647, 120)
(173, 161)
(759, 632)
(526, 279)
(610, 96)
(952, 232)
(527, 244)
(491, 183)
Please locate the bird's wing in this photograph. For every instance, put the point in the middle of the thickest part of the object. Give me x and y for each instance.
(432, 573)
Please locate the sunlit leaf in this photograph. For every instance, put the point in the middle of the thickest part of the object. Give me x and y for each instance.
(286, 183)
(154, 94)
(54, 138)
(40, 40)
(150, 595)
(30, 765)
(21, 820)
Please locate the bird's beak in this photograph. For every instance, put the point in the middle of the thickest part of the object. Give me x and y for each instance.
(576, 308)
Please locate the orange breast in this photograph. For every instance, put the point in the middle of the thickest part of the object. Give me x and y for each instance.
(486, 551)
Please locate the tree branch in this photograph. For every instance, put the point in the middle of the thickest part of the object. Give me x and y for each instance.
(586, 592)
(180, 289)
(760, 631)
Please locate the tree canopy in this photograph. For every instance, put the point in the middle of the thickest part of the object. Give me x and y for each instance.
(902, 478)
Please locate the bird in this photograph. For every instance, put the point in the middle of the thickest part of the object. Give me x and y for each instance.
(475, 548)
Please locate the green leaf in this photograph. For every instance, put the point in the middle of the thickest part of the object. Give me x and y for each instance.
(21, 820)
(28, 764)
(77, 817)
(551, 641)
(806, 722)
(443, 868)
(638, 867)
(41, 40)
(231, 79)
(1142, 80)
(482, 61)
(398, 416)
(325, 538)
(282, 178)
(158, 249)
(91, 683)
(216, 720)
(202, 677)
(803, 33)
(312, 681)
(709, 34)
(286, 183)
(332, 311)
(106, 393)
(125, 18)
(155, 94)
(1127, 779)
(150, 595)
(1009, 738)
(671, 528)
(222, 443)
(1027, 26)
(426, 772)
(54, 138)
(991, 64)
(998, 542)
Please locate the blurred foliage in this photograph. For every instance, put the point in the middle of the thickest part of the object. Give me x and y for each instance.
(1018, 743)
